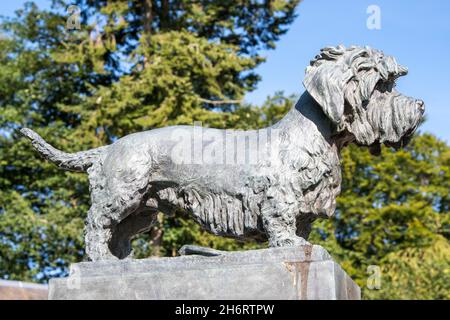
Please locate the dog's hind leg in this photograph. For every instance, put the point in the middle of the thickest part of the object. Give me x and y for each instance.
(108, 240)
(99, 224)
(120, 244)
(113, 221)
(116, 194)
(110, 228)
(98, 234)
(103, 225)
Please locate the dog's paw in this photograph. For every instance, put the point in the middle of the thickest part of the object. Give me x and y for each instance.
(290, 242)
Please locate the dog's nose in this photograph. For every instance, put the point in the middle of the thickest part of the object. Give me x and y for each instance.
(421, 105)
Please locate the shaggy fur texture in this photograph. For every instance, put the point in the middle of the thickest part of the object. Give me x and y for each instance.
(294, 179)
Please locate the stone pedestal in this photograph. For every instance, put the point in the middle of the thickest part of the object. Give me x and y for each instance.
(292, 273)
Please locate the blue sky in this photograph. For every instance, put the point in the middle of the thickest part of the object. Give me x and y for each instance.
(416, 32)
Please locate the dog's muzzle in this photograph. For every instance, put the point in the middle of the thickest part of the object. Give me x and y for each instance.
(406, 138)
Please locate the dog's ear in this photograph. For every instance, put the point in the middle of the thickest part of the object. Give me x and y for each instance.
(326, 83)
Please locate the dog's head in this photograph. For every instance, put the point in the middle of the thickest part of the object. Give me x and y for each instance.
(355, 87)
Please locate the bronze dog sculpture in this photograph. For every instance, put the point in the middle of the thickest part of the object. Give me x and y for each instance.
(294, 178)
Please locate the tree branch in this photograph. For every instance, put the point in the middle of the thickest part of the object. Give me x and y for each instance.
(219, 102)
(164, 14)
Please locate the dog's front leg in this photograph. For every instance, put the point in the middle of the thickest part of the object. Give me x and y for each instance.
(279, 222)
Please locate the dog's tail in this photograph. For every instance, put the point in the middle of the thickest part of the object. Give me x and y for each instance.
(79, 161)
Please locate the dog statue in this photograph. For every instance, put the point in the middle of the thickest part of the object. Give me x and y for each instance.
(294, 177)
